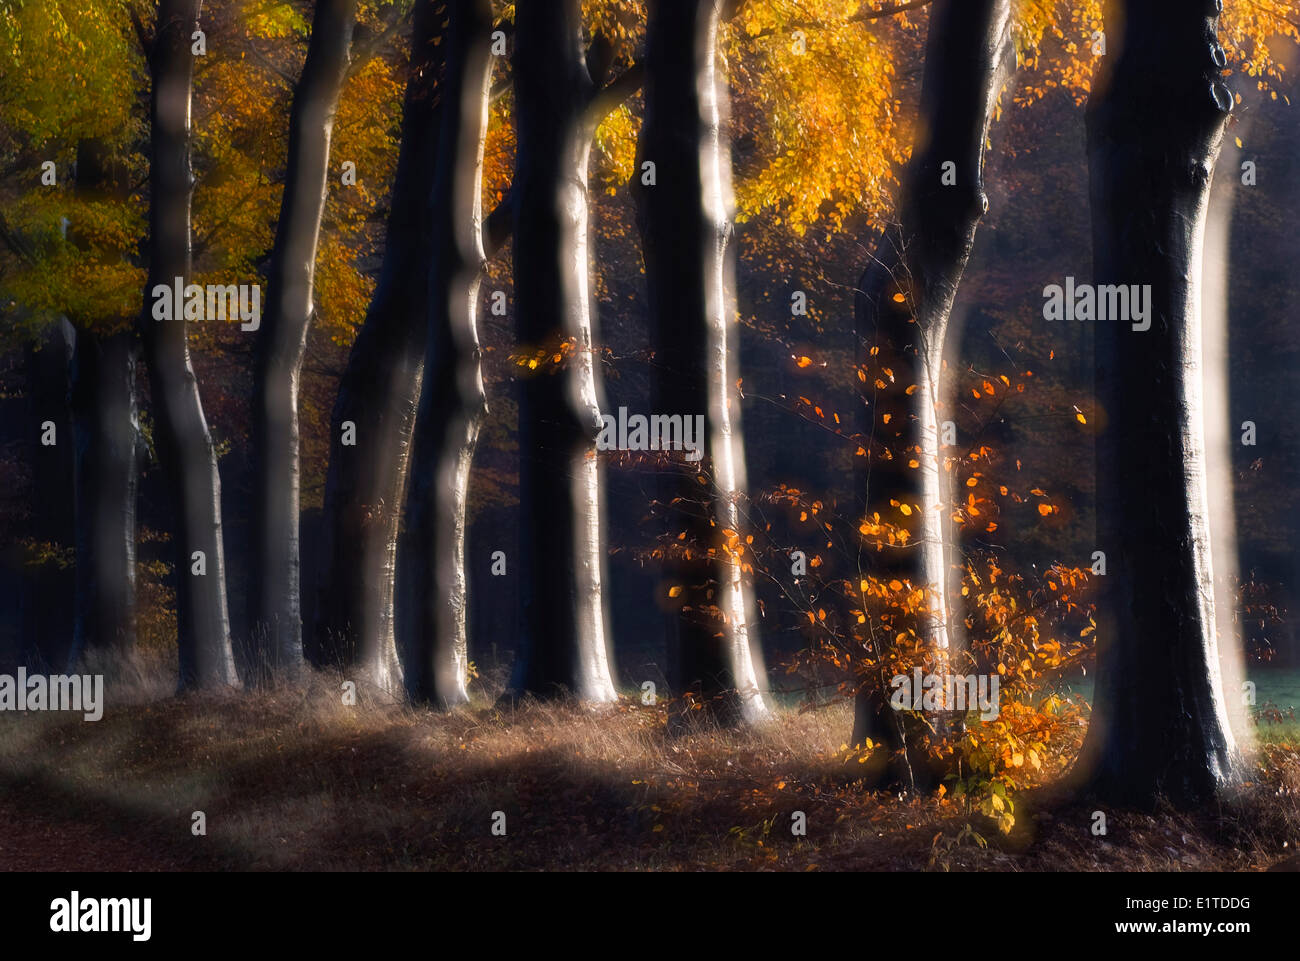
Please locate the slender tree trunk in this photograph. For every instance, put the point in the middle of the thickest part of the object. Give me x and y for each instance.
(47, 620)
(106, 429)
(685, 220)
(184, 444)
(1159, 723)
(379, 393)
(274, 602)
(904, 301)
(561, 569)
(453, 401)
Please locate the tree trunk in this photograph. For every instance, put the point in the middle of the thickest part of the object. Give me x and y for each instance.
(366, 481)
(363, 492)
(685, 221)
(106, 427)
(453, 402)
(1159, 723)
(903, 304)
(184, 444)
(275, 610)
(47, 620)
(563, 647)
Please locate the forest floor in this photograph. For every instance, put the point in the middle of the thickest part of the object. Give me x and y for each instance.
(294, 779)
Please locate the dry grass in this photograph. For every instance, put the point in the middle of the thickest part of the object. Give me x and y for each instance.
(293, 779)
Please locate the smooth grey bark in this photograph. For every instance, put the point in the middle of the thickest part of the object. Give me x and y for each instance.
(381, 388)
(685, 222)
(365, 484)
(563, 646)
(1155, 125)
(106, 433)
(183, 442)
(922, 257)
(453, 402)
(275, 606)
(1221, 430)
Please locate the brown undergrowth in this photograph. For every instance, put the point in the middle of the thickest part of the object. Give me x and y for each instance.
(292, 778)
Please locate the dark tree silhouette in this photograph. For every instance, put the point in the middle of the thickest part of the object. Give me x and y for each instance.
(46, 619)
(1155, 126)
(106, 430)
(105, 418)
(685, 221)
(561, 567)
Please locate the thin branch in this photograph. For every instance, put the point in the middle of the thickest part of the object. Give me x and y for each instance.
(261, 58)
(864, 14)
(146, 43)
(15, 242)
(1275, 13)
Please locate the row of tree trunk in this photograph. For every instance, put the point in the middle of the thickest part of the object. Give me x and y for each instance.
(413, 386)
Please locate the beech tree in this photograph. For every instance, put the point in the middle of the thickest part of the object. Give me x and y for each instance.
(106, 430)
(273, 571)
(374, 413)
(1155, 126)
(904, 300)
(685, 220)
(452, 403)
(105, 414)
(381, 388)
(182, 437)
(45, 619)
(561, 568)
